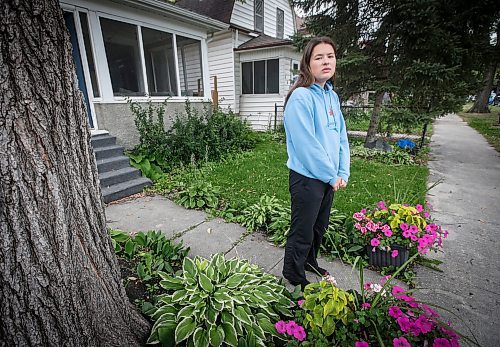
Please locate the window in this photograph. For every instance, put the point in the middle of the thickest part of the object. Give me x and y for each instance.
(259, 15)
(190, 72)
(260, 77)
(160, 62)
(89, 53)
(160, 51)
(280, 23)
(124, 59)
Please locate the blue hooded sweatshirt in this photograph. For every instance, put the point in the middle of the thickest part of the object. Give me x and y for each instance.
(316, 136)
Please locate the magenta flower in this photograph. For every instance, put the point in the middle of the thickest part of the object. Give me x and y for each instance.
(290, 327)
(388, 233)
(367, 286)
(426, 214)
(404, 323)
(357, 225)
(374, 242)
(365, 305)
(419, 208)
(397, 290)
(413, 237)
(385, 279)
(400, 342)
(394, 253)
(381, 205)
(403, 226)
(299, 333)
(424, 324)
(361, 344)
(441, 342)
(363, 211)
(371, 226)
(395, 312)
(300, 302)
(413, 229)
(363, 230)
(407, 234)
(280, 327)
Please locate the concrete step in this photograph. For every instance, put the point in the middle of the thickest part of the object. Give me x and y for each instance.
(108, 152)
(99, 141)
(112, 177)
(121, 190)
(115, 163)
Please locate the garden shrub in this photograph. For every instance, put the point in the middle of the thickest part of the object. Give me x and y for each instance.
(199, 194)
(215, 301)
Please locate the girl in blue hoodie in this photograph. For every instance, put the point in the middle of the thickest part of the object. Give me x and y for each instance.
(318, 157)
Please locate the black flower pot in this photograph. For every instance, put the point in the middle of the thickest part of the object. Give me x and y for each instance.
(380, 258)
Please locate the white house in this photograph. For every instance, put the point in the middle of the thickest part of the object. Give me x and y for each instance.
(253, 58)
(139, 50)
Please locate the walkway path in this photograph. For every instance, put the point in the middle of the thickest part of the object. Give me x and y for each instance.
(467, 203)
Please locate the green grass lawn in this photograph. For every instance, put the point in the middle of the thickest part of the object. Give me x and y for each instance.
(487, 124)
(263, 171)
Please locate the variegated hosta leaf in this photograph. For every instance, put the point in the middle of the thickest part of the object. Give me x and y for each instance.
(184, 329)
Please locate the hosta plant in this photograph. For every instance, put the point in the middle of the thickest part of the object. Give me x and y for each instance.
(199, 194)
(215, 301)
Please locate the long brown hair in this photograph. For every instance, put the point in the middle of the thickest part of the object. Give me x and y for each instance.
(306, 78)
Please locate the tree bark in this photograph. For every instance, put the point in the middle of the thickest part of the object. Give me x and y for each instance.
(60, 281)
(481, 103)
(371, 135)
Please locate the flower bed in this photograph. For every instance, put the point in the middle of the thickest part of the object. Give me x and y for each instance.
(398, 224)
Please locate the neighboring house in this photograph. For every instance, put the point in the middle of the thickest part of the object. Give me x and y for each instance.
(253, 59)
(138, 50)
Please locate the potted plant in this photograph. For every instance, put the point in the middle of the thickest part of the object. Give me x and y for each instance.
(394, 232)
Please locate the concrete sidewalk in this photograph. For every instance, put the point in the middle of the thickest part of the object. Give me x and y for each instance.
(208, 236)
(466, 203)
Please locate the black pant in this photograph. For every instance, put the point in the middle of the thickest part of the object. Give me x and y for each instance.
(311, 204)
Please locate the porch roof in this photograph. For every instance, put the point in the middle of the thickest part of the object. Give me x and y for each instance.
(216, 9)
(263, 41)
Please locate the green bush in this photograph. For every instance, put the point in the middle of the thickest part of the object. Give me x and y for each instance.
(262, 214)
(397, 156)
(218, 301)
(199, 194)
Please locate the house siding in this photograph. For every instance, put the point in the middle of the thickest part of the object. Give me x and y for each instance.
(220, 62)
(243, 16)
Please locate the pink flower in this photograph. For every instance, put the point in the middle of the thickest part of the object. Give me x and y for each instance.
(363, 211)
(429, 311)
(367, 286)
(431, 228)
(299, 333)
(400, 342)
(426, 214)
(374, 242)
(403, 226)
(290, 327)
(397, 290)
(280, 327)
(371, 226)
(413, 238)
(441, 342)
(419, 208)
(357, 225)
(394, 253)
(413, 229)
(404, 323)
(385, 279)
(300, 302)
(361, 344)
(395, 312)
(381, 205)
(388, 233)
(363, 230)
(424, 324)
(365, 305)
(358, 216)
(407, 234)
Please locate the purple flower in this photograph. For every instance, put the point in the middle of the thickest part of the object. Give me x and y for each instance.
(397, 290)
(395, 312)
(404, 323)
(290, 327)
(400, 342)
(299, 333)
(424, 324)
(381, 205)
(374, 242)
(441, 342)
(280, 327)
(361, 344)
(365, 305)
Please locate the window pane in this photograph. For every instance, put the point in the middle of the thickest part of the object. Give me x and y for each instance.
(160, 63)
(190, 72)
(247, 78)
(259, 77)
(273, 70)
(259, 15)
(280, 23)
(124, 60)
(89, 53)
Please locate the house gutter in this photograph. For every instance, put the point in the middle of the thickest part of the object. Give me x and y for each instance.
(176, 12)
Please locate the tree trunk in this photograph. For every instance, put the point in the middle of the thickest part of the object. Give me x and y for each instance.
(60, 281)
(481, 103)
(371, 135)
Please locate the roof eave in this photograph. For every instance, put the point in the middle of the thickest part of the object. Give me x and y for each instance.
(264, 46)
(178, 13)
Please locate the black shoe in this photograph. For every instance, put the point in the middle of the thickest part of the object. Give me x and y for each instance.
(317, 270)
